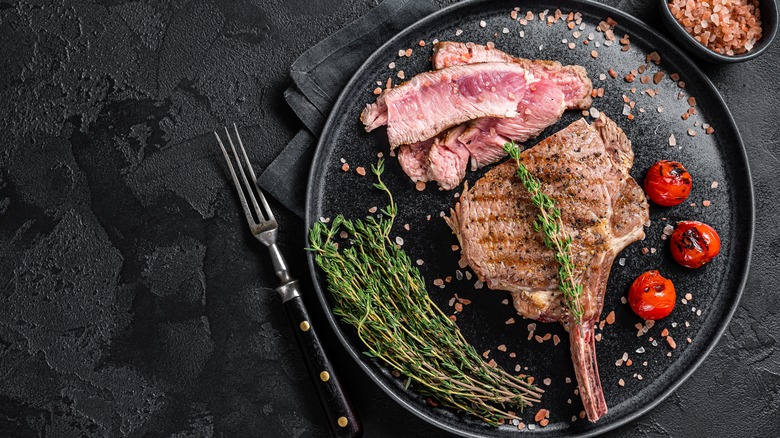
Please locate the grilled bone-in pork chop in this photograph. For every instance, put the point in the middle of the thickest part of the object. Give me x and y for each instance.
(432, 102)
(585, 168)
(572, 79)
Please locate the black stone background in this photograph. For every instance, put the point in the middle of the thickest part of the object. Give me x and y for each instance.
(134, 302)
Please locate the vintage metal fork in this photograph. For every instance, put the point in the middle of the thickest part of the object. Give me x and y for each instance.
(342, 419)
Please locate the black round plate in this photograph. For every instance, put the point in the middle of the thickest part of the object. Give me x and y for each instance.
(716, 158)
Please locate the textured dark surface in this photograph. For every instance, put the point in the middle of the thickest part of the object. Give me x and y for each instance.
(135, 303)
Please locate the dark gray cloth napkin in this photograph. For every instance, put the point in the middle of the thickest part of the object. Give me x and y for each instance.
(318, 77)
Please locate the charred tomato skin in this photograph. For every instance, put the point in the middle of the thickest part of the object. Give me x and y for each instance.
(668, 183)
(652, 296)
(694, 244)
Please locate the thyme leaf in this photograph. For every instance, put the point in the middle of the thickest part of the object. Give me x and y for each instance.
(375, 288)
(549, 222)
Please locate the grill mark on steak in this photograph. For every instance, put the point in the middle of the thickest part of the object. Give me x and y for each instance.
(572, 79)
(585, 168)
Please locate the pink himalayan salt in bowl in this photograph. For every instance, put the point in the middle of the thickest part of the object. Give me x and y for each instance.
(722, 30)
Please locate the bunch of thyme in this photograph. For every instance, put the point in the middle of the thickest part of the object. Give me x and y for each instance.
(375, 288)
(549, 222)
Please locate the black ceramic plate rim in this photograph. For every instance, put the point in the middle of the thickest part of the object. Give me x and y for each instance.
(335, 118)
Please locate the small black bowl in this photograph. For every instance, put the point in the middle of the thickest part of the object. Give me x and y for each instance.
(769, 21)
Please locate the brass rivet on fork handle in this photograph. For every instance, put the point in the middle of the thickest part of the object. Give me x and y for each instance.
(263, 226)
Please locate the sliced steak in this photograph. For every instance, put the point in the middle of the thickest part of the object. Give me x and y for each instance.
(585, 168)
(573, 79)
(449, 53)
(542, 106)
(443, 159)
(432, 102)
(482, 139)
(413, 159)
(448, 158)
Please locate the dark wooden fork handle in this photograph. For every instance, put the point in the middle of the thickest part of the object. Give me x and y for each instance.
(341, 416)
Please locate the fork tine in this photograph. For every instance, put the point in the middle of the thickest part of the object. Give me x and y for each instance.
(260, 194)
(236, 182)
(247, 185)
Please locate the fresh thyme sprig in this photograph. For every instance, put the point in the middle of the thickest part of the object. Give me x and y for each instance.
(375, 288)
(555, 237)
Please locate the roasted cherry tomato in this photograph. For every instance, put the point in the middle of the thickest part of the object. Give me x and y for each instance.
(693, 244)
(667, 183)
(652, 296)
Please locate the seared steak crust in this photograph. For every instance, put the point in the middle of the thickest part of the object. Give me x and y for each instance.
(585, 168)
